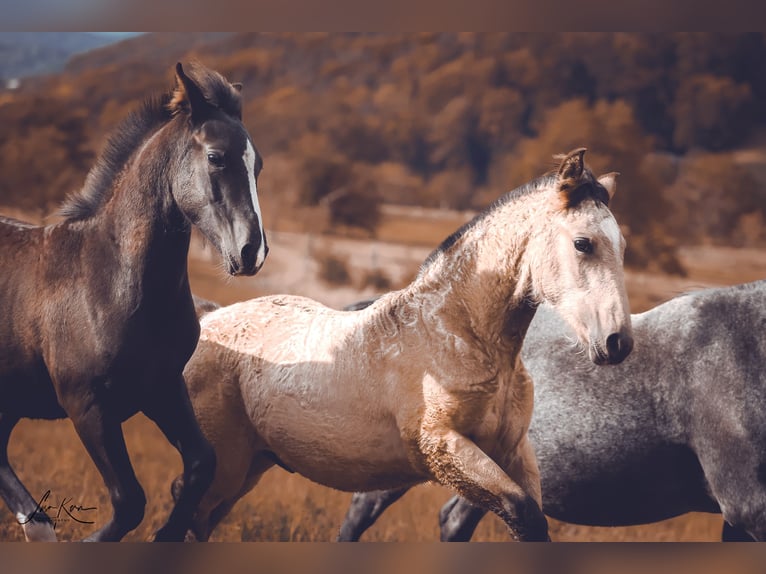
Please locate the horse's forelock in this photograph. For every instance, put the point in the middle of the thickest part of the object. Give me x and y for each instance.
(574, 190)
(589, 190)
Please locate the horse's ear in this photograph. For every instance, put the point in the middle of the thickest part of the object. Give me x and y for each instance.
(572, 165)
(609, 181)
(187, 97)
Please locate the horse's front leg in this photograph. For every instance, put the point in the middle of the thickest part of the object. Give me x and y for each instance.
(171, 409)
(459, 518)
(101, 434)
(364, 510)
(458, 462)
(34, 521)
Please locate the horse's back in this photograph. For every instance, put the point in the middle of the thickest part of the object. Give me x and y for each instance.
(305, 382)
(270, 324)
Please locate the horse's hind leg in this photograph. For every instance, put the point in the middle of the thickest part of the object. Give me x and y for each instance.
(215, 506)
(734, 534)
(35, 523)
(458, 519)
(364, 510)
(101, 434)
(172, 411)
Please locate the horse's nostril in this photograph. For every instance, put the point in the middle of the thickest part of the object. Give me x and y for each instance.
(613, 344)
(618, 346)
(248, 256)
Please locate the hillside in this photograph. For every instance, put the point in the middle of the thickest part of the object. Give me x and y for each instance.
(31, 53)
(347, 122)
(378, 146)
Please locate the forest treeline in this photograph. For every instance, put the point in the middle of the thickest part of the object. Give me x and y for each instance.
(346, 121)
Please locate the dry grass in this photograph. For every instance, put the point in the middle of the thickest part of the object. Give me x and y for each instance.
(48, 455)
(283, 507)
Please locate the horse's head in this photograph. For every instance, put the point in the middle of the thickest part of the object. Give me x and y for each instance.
(216, 185)
(579, 261)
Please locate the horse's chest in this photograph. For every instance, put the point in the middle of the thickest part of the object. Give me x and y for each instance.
(155, 348)
(115, 352)
(481, 409)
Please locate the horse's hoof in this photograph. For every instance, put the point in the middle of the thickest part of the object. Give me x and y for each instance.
(39, 531)
(166, 534)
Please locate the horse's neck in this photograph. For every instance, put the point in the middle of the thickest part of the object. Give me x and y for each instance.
(150, 233)
(481, 285)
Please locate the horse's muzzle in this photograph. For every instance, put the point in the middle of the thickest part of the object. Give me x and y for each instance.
(250, 261)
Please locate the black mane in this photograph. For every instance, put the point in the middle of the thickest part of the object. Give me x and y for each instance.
(590, 189)
(119, 148)
(134, 130)
(506, 198)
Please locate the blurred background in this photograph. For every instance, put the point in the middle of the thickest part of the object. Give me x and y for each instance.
(376, 147)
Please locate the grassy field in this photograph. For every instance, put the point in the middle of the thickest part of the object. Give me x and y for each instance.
(48, 455)
(283, 507)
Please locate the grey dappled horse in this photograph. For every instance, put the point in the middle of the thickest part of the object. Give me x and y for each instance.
(679, 426)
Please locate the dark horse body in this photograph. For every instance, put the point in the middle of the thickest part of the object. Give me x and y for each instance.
(97, 314)
(679, 426)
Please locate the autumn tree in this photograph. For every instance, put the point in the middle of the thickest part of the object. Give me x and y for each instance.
(712, 112)
(710, 197)
(46, 157)
(615, 142)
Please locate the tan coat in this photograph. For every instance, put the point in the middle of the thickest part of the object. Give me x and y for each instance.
(425, 384)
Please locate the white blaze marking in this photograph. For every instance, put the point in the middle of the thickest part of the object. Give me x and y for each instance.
(612, 231)
(249, 159)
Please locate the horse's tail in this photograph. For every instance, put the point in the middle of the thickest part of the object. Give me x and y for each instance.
(203, 306)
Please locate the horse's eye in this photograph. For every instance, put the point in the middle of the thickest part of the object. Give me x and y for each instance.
(583, 245)
(215, 159)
